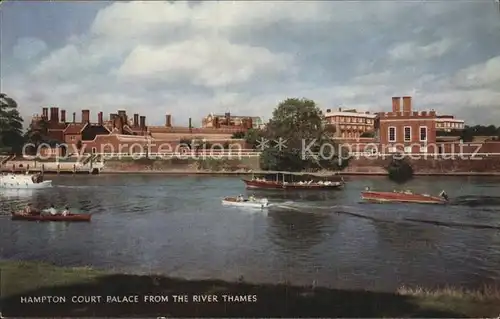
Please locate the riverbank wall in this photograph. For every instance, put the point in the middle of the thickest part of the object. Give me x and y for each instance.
(485, 166)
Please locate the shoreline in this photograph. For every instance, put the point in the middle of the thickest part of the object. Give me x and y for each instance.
(25, 279)
(243, 173)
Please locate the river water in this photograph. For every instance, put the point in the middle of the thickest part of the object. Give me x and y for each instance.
(176, 226)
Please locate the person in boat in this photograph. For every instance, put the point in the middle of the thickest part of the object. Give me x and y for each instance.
(444, 195)
(65, 211)
(240, 198)
(51, 210)
(28, 210)
(251, 198)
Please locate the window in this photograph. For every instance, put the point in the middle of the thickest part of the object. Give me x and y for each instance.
(407, 134)
(392, 134)
(94, 150)
(72, 138)
(423, 134)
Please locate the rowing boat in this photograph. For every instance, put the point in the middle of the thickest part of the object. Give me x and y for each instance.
(254, 203)
(52, 218)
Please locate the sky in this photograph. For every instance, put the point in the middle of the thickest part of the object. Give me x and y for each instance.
(188, 59)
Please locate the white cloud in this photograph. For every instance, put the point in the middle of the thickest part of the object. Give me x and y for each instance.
(480, 75)
(411, 51)
(209, 62)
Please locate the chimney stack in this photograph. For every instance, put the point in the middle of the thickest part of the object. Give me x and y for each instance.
(63, 116)
(407, 104)
(396, 104)
(190, 126)
(168, 120)
(85, 116)
(45, 113)
(143, 122)
(52, 117)
(74, 117)
(136, 120)
(56, 115)
(99, 118)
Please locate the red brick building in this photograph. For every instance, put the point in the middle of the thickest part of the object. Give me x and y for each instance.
(121, 134)
(406, 130)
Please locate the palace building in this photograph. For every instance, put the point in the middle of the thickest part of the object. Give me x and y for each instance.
(228, 120)
(350, 123)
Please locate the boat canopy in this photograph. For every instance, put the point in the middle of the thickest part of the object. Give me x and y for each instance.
(281, 176)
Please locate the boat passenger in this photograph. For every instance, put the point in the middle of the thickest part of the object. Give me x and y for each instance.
(52, 210)
(28, 210)
(240, 198)
(252, 198)
(66, 211)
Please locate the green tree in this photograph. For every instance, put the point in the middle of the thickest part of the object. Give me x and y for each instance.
(11, 125)
(253, 136)
(238, 135)
(37, 132)
(307, 142)
(399, 169)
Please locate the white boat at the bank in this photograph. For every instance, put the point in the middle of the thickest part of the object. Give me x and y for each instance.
(20, 181)
(250, 202)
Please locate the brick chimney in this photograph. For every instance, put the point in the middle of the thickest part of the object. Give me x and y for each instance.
(168, 120)
(99, 118)
(74, 117)
(45, 113)
(136, 120)
(143, 121)
(407, 104)
(52, 116)
(85, 116)
(396, 104)
(56, 115)
(63, 116)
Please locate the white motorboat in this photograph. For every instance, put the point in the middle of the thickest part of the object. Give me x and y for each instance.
(20, 181)
(246, 202)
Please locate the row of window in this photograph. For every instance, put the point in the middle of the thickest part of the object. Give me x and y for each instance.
(353, 127)
(407, 134)
(350, 119)
(450, 125)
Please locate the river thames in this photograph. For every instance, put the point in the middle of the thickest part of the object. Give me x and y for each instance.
(175, 225)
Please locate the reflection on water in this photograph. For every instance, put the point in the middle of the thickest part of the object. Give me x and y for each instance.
(177, 226)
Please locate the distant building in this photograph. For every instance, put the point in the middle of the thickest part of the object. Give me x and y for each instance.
(228, 120)
(448, 123)
(350, 123)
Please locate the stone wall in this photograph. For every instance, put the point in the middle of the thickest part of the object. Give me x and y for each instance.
(429, 166)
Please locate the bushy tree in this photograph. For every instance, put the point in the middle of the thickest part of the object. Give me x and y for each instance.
(306, 141)
(238, 135)
(399, 169)
(11, 125)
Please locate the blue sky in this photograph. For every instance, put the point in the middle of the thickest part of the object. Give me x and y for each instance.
(189, 59)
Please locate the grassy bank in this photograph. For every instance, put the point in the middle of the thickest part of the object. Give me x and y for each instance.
(35, 279)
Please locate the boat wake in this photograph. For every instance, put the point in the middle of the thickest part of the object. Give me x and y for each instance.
(479, 200)
(406, 220)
